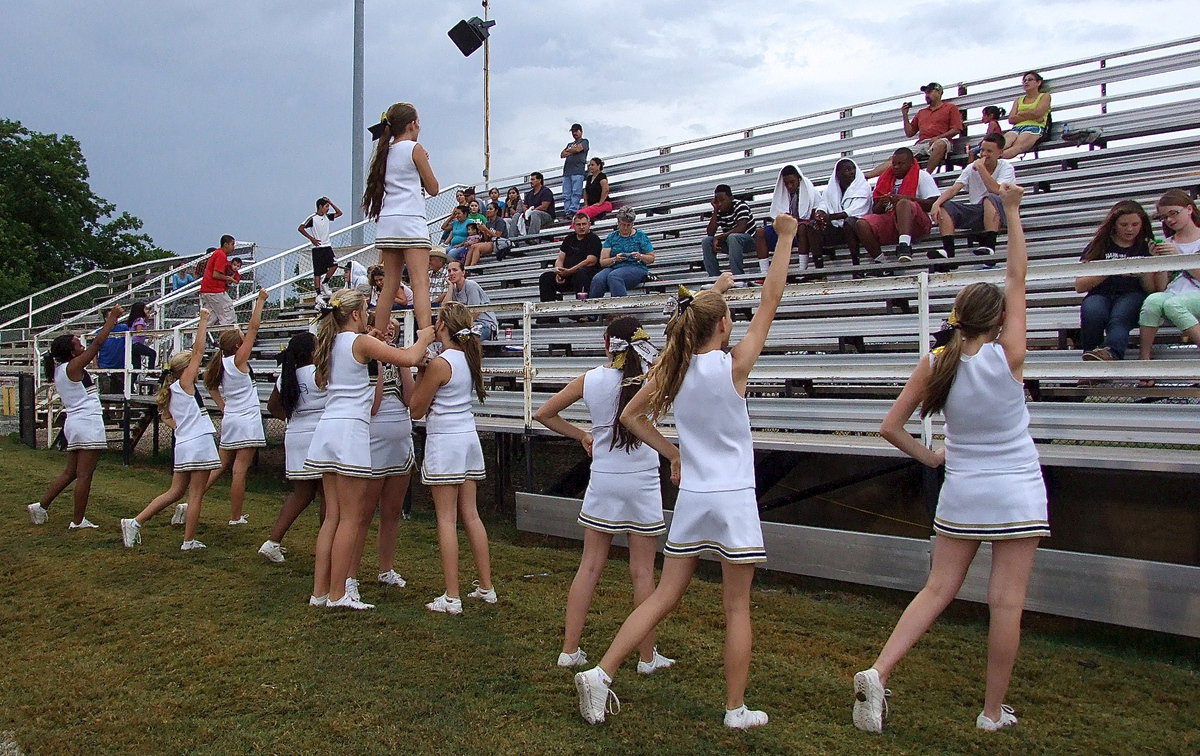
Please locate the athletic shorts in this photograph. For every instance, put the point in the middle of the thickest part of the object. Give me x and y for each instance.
(322, 259)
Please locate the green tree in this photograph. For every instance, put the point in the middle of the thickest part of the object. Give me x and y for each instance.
(52, 226)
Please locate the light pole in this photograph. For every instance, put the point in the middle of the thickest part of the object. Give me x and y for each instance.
(487, 103)
(356, 155)
(468, 35)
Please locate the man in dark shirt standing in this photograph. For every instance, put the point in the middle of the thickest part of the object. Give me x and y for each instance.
(539, 201)
(574, 170)
(576, 264)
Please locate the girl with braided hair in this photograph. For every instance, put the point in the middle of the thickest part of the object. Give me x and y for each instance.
(624, 494)
(341, 443)
(713, 466)
(993, 489)
(453, 457)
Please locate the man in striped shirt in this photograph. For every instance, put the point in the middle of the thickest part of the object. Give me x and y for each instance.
(730, 228)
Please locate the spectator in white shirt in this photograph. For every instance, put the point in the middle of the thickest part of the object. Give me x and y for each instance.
(984, 212)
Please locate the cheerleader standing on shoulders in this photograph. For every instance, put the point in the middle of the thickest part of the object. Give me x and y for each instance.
(453, 456)
(298, 400)
(65, 364)
(993, 489)
(624, 494)
(230, 382)
(393, 198)
(341, 445)
(195, 452)
(714, 467)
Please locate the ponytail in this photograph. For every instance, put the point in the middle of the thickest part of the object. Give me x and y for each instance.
(634, 343)
(61, 350)
(393, 122)
(170, 374)
(977, 310)
(341, 307)
(692, 325)
(457, 319)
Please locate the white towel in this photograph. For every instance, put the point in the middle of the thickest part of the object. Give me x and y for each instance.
(781, 202)
(855, 201)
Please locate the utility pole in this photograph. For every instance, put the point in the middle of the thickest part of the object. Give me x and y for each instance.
(356, 156)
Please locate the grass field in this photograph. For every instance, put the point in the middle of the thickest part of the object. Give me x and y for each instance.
(156, 650)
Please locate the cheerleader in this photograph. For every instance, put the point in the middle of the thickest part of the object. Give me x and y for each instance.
(65, 364)
(714, 467)
(624, 494)
(296, 399)
(195, 452)
(453, 457)
(993, 489)
(341, 445)
(398, 173)
(230, 383)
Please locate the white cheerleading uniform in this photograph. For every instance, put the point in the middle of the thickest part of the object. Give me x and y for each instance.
(624, 494)
(401, 220)
(194, 445)
(301, 424)
(391, 428)
(341, 442)
(993, 488)
(241, 420)
(84, 426)
(452, 451)
(717, 509)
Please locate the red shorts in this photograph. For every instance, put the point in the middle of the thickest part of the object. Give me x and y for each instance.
(884, 225)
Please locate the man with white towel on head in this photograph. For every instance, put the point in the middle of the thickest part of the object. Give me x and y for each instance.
(796, 196)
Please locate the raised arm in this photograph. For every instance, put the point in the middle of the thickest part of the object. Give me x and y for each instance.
(636, 418)
(374, 349)
(242, 357)
(435, 376)
(77, 365)
(188, 378)
(1012, 336)
(745, 354)
(548, 414)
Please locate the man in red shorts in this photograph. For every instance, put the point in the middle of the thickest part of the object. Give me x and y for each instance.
(900, 213)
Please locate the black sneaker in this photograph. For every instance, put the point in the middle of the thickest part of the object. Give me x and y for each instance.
(984, 251)
(937, 253)
(903, 253)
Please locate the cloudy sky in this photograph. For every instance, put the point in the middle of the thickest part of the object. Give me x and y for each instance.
(231, 116)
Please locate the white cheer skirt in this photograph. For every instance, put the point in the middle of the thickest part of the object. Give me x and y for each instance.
(342, 446)
(199, 453)
(452, 458)
(391, 447)
(86, 432)
(242, 431)
(993, 505)
(722, 522)
(624, 502)
(404, 231)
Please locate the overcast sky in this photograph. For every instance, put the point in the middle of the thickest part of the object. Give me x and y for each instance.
(231, 116)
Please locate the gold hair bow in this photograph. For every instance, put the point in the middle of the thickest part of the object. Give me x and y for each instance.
(680, 302)
(953, 318)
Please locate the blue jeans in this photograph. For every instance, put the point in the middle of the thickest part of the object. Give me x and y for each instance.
(738, 245)
(572, 189)
(618, 281)
(1106, 320)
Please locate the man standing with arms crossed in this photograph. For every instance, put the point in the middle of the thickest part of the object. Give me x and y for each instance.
(574, 170)
(315, 228)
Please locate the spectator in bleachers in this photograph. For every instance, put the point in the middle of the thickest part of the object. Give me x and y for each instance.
(1178, 294)
(983, 210)
(1030, 116)
(475, 211)
(1110, 309)
(574, 170)
(934, 126)
(845, 199)
(900, 215)
(796, 196)
(729, 229)
(468, 194)
(112, 357)
(539, 207)
(315, 228)
(577, 262)
(494, 236)
(181, 278)
(465, 291)
(990, 120)
(494, 196)
(357, 274)
(437, 274)
(139, 320)
(373, 284)
(460, 197)
(474, 236)
(513, 208)
(454, 228)
(213, 295)
(595, 191)
(235, 276)
(625, 258)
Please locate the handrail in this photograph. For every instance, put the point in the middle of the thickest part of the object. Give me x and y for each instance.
(194, 286)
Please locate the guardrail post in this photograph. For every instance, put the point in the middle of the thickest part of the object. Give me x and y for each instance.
(527, 360)
(29, 317)
(666, 167)
(748, 153)
(848, 132)
(1103, 89)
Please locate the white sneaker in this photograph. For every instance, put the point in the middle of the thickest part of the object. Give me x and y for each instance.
(180, 516)
(347, 602)
(658, 662)
(352, 589)
(595, 697)
(742, 718)
(239, 521)
(192, 545)
(84, 523)
(1007, 719)
(272, 551)
(487, 594)
(318, 600)
(870, 701)
(445, 604)
(577, 659)
(131, 533)
(326, 291)
(37, 514)
(391, 577)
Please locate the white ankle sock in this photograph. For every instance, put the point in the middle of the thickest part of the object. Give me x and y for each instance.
(764, 265)
(803, 261)
(906, 239)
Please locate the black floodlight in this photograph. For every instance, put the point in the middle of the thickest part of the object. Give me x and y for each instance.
(468, 36)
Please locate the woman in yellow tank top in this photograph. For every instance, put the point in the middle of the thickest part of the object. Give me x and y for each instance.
(1030, 115)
